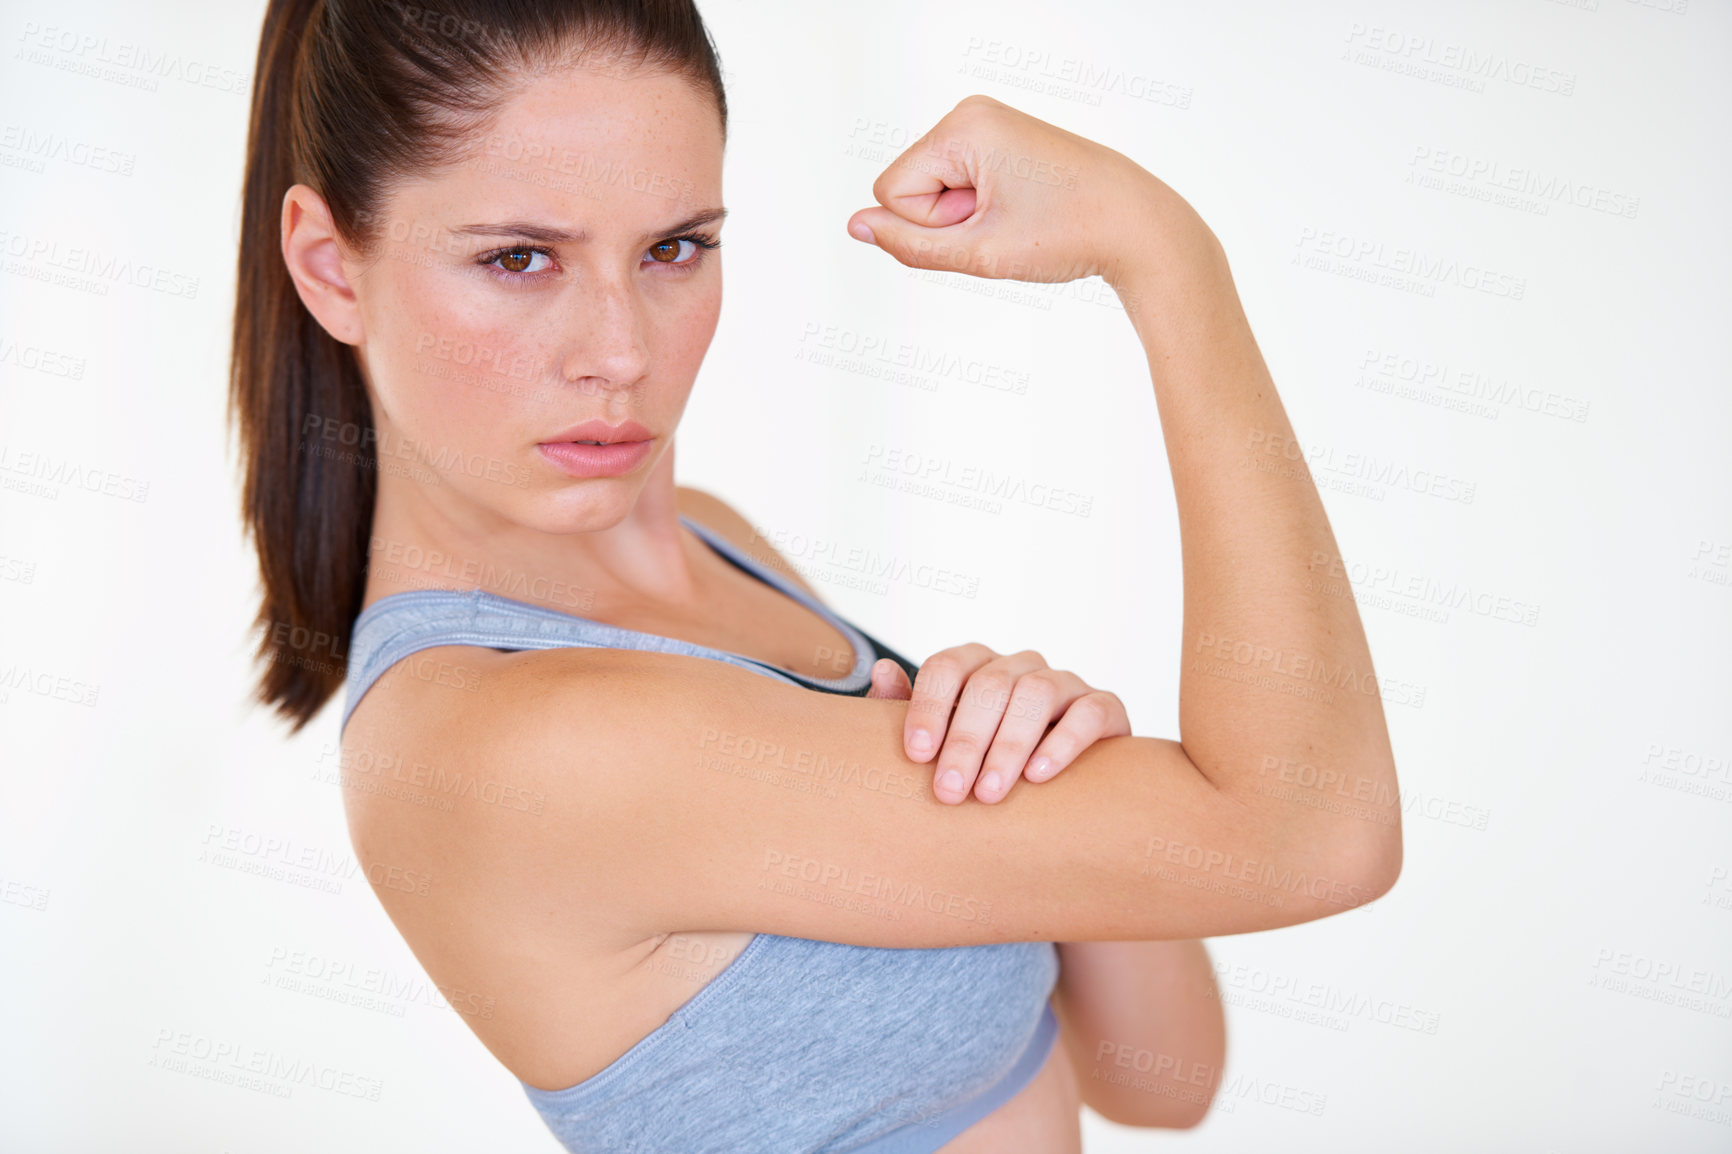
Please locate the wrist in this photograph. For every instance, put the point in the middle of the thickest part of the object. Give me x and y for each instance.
(1159, 246)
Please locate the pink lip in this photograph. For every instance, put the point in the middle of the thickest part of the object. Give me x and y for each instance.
(599, 430)
(626, 445)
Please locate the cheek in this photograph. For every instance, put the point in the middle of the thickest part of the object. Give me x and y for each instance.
(451, 367)
(684, 329)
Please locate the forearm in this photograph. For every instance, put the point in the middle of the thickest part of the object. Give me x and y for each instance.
(1145, 1029)
(1275, 674)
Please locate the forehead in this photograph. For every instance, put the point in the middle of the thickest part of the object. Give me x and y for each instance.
(587, 145)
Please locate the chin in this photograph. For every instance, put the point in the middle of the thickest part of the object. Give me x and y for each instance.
(582, 507)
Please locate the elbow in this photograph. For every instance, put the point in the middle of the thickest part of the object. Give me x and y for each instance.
(1389, 865)
(1371, 865)
(1352, 844)
(1185, 1110)
(1383, 858)
(1360, 834)
(1188, 1115)
(1191, 1120)
(1350, 868)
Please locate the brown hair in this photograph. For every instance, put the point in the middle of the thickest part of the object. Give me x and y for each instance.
(350, 95)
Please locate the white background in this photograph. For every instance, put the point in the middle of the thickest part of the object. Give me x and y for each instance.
(1562, 931)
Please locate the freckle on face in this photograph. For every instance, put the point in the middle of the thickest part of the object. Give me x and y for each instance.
(471, 367)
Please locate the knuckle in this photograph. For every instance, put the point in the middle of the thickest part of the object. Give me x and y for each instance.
(1046, 682)
(1034, 697)
(1008, 756)
(941, 672)
(989, 688)
(1091, 709)
(1032, 654)
(900, 255)
(960, 654)
(1003, 760)
(1073, 686)
(960, 744)
(1110, 703)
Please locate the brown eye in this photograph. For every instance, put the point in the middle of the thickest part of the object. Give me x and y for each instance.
(524, 259)
(669, 247)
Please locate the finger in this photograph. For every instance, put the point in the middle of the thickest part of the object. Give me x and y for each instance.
(913, 245)
(1039, 698)
(889, 681)
(979, 711)
(919, 213)
(1094, 715)
(941, 208)
(937, 683)
(930, 183)
(925, 191)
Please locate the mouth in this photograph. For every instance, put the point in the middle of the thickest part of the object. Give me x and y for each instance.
(598, 449)
(598, 432)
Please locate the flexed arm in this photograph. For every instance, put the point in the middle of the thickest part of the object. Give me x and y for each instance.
(1273, 677)
(1273, 674)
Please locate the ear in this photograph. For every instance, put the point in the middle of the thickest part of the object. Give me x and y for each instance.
(315, 260)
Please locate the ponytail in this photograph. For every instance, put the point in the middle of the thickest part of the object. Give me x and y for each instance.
(308, 514)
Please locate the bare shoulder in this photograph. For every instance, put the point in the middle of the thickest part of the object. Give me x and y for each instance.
(712, 512)
(443, 804)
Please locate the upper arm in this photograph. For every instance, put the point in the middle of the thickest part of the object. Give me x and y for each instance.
(714, 513)
(685, 793)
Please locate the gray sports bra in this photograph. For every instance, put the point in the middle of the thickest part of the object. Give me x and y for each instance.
(797, 1046)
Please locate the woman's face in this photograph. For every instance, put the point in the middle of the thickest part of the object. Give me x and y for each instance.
(556, 275)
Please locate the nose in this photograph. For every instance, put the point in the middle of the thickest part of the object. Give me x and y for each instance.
(608, 352)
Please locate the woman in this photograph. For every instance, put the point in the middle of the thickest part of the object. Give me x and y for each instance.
(698, 884)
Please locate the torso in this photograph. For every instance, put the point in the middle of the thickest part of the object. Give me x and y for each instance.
(580, 997)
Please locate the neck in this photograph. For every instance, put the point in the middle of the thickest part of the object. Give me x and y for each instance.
(425, 537)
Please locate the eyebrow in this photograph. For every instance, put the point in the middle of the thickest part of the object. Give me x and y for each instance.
(546, 234)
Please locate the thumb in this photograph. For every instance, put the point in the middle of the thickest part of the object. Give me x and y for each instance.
(890, 681)
(915, 228)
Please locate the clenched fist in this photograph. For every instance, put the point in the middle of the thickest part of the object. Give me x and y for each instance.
(996, 193)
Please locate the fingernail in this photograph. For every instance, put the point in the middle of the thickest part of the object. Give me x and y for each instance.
(859, 231)
(990, 782)
(951, 782)
(1038, 767)
(921, 742)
